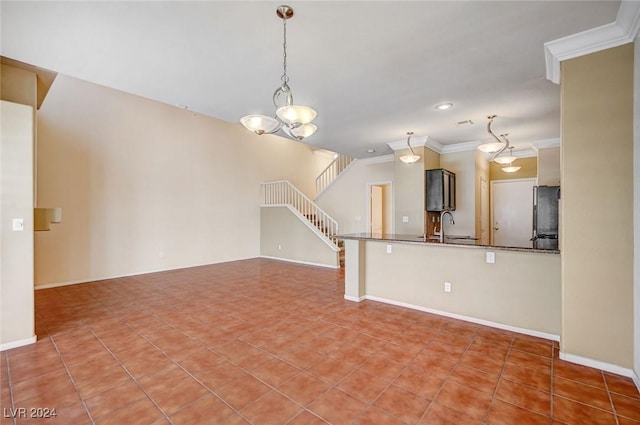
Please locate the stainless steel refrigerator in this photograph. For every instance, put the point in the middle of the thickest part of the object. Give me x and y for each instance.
(545, 217)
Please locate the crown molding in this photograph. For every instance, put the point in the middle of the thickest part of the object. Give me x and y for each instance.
(622, 31)
(460, 147)
(548, 143)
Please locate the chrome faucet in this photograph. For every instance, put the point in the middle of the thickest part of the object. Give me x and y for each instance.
(451, 221)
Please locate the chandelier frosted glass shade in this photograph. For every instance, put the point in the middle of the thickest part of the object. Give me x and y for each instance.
(300, 132)
(260, 124)
(296, 114)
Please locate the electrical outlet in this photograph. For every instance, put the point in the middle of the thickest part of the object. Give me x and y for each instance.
(405, 218)
(18, 224)
(389, 249)
(447, 287)
(491, 257)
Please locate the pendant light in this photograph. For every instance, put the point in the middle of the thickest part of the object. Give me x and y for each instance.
(511, 168)
(294, 120)
(497, 147)
(409, 159)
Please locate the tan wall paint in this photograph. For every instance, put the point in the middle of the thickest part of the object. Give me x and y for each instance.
(409, 193)
(431, 159)
(415, 274)
(346, 199)
(463, 165)
(597, 194)
(636, 208)
(284, 235)
(529, 170)
(549, 167)
(145, 186)
(18, 86)
(16, 247)
(481, 172)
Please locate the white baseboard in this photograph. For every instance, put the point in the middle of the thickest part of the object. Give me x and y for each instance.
(636, 380)
(97, 279)
(307, 263)
(16, 344)
(607, 367)
(354, 299)
(497, 325)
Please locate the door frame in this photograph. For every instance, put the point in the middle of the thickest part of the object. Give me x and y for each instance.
(391, 202)
(534, 180)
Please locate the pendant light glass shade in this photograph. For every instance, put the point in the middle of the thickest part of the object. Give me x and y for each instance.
(296, 114)
(504, 160)
(260, 124)
(510, 169)
(491, 147)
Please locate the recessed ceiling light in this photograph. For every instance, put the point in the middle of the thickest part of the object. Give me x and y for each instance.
(444, 106)
(371, 150)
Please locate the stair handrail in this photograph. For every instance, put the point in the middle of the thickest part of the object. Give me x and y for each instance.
(331, 172)
(282, 192)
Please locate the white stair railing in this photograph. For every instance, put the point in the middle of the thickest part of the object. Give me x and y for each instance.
(331, 173)
(283, 193)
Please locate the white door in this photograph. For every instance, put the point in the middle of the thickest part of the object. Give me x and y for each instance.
(512, 212)
(376, 209)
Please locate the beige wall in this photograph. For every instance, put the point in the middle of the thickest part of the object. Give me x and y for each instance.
(284, 235)
(145, 186)
(529, 170)
(346, 199)
(549, 167)
(409, 193)
(16, 247)
(636, 207)
(18, 86)
(521, 289)
(463, 165)
(431, 159)
(597, 193)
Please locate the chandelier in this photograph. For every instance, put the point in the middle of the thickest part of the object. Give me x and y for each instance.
(294, 120)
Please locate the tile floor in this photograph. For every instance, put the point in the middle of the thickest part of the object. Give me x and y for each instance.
(267, 342)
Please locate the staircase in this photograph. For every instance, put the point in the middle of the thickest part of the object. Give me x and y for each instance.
(283, 193)
(331, 173)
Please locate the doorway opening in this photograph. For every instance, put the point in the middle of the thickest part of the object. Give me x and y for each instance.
(380, 208)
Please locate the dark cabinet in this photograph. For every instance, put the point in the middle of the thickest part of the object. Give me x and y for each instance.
(441, 190)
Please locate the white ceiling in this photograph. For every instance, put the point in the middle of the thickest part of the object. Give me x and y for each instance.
(373, 70)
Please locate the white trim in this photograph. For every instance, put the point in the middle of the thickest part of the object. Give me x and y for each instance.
(377, 159)
(607, 367)
(483, 322)
(354, 299)
(460, 147)
(308, 223)
(307, 263)
(548, 143)
(622, 31)
(16, 344)
(636, 379)
(416, 142)
(98, 279)
(434, 145)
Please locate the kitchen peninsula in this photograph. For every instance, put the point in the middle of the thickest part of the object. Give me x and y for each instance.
(505, 287)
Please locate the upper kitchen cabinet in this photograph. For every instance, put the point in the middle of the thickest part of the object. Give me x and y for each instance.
(441, 190)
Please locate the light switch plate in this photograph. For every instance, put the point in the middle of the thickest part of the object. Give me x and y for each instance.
(389, 249)
(491, 257)
(405, 218)
(18, 224)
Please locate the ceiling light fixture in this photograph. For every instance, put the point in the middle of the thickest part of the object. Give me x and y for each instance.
(497, 147)
(294, 120)
(444, 106)
(506, 159)
(409, 159)
(511, 168)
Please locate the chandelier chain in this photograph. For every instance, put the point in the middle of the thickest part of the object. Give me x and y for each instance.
(285, 77)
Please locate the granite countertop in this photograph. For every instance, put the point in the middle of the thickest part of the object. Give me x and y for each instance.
(451, 240)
